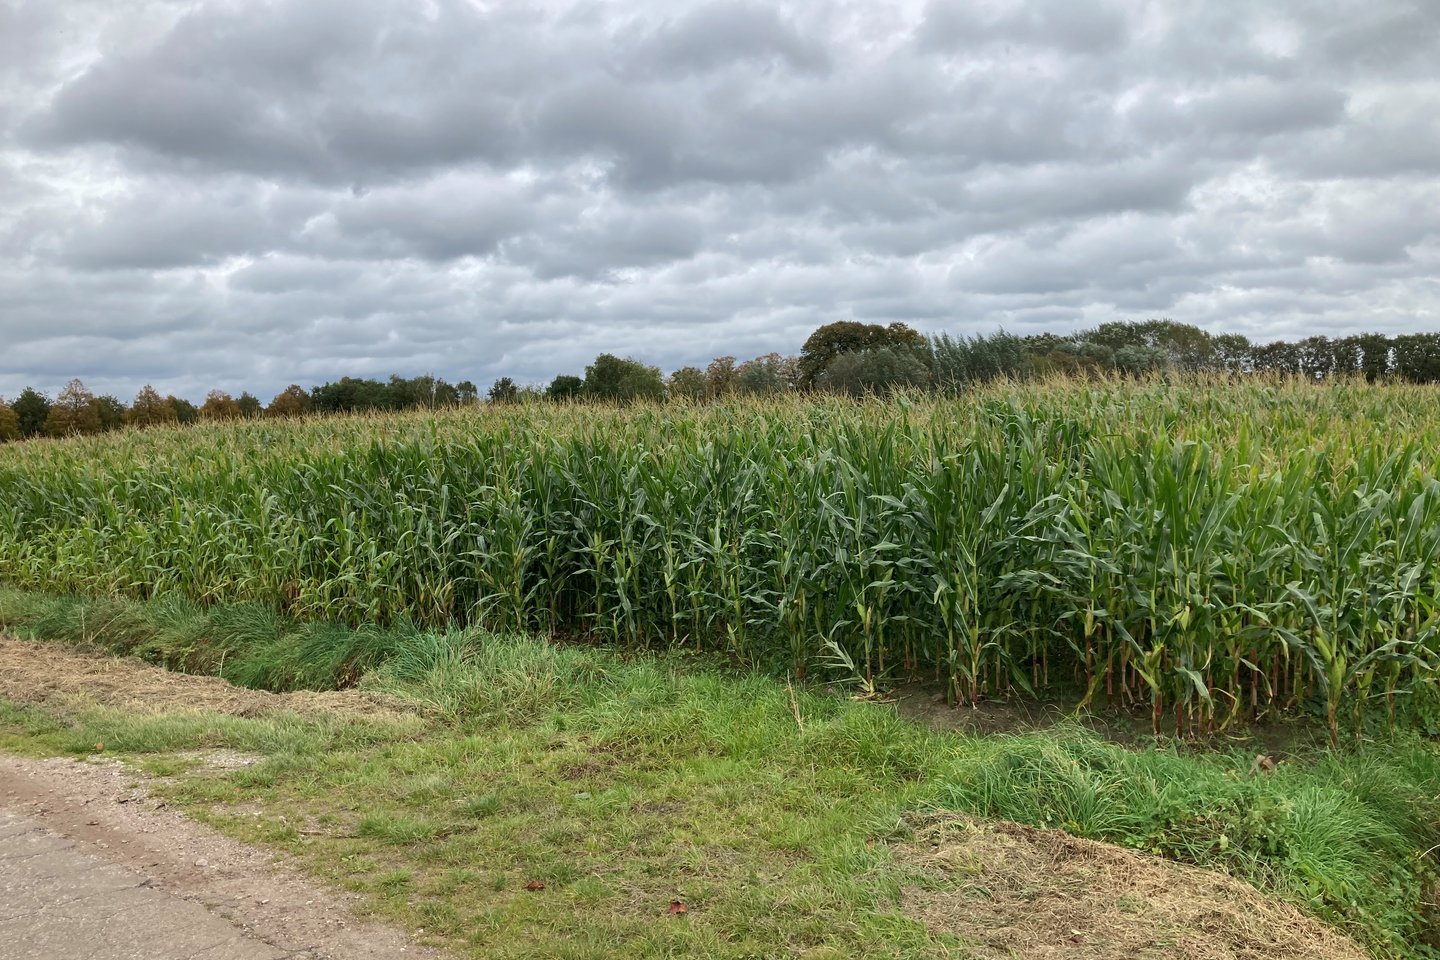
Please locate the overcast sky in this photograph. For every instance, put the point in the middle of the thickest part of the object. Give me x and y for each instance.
(245, 194)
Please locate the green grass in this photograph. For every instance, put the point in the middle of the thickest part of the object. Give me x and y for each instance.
(623, 782)
(31, 730)
(246, 643)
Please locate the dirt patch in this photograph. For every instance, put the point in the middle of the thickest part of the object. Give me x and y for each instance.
(106, 809)
(925, 703)
(220, 760)
(1017, 891)
(40, 673)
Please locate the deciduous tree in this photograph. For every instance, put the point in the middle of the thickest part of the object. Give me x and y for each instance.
(619, 380)
(565, 387)
(293, 401)
(150, 409)
(74, 411)
(1234, 353)
(879, 371)
(9, 423)
(504, 390)
(848, 336)
(1417, 357)
(185, 411)
(687, 383)
(110, 411)
(351, 394)
(33, 409)
(219, 405)
(720, 376)
(762, 376)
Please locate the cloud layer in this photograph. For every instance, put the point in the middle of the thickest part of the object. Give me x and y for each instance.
(245, 193)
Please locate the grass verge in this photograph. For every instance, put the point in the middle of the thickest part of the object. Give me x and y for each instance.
(623, 784)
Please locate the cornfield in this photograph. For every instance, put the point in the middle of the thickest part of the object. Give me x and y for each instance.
(1215, 550)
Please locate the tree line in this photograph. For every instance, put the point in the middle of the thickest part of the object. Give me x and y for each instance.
(847, 357)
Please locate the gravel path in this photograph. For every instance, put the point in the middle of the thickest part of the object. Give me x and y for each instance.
(61, 902)
(93, 867)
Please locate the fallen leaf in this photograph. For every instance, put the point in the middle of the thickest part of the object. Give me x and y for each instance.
(534, 885)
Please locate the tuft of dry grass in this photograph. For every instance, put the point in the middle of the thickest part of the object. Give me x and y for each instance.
(50, 675)
(1012, 890)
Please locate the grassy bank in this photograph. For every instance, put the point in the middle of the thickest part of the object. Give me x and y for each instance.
(625, 782)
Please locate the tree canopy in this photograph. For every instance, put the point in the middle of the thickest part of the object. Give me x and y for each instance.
(687, 383)
(74, 411)
(219, 405)
(878, 371)
(564, 387)
(617, 380)
(846, 336)
(33, 409)
(504, 390)
(293, 401)
(149, 409)
(9, 422)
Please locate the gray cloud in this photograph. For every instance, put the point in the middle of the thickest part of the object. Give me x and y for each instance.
(167, 225)
(720, 34)
(1049, 25)
(204, 193)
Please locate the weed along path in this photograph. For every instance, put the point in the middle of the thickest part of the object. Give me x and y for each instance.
(92, 866)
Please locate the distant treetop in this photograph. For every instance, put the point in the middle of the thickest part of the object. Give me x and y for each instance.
(847, 357)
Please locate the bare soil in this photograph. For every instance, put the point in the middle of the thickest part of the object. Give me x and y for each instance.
(1018, 891)
(925, 703)
(107, 810)
(50, 674)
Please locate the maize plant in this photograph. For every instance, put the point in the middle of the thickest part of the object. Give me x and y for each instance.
(1207, 550)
